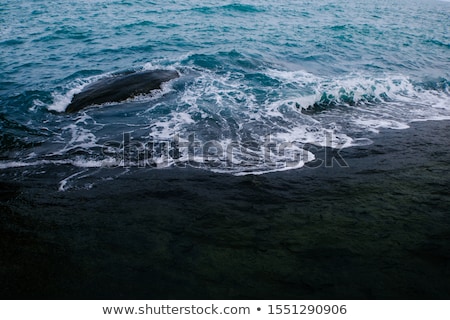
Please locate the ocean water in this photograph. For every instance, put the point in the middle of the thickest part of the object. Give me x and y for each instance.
(173, 194)
(259, 80)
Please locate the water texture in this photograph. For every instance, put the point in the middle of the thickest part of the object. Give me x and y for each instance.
(173, 194)
(259, 79)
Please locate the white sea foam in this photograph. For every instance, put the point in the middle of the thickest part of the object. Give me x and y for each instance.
(62, 99)
(390, 101)
(235, 129)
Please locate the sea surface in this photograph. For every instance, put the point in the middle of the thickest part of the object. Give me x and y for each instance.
(259, 80)
(303, 153)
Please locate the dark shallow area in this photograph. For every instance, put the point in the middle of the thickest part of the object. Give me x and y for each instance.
(377, 229)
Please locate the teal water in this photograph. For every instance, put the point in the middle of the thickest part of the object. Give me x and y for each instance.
(254, 75)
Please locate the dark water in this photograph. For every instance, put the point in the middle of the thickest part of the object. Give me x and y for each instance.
(378, 228)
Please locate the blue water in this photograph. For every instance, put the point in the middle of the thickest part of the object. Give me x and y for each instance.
(259, 79)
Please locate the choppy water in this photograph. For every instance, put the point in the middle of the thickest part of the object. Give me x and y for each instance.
(259, 79)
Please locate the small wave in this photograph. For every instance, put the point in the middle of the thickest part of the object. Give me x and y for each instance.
(438, 43)
(240, 7)
(234, 7)
(356, 89)
(12, 42)
(144, 23)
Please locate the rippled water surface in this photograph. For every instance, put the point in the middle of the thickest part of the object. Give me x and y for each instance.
(258, 79)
